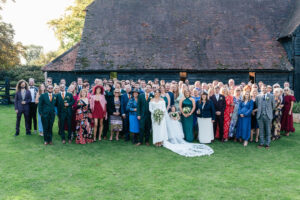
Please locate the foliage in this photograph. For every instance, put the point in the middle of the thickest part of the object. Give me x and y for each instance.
(296, 108)
(23, 72)
(68, 28)
(119, 170)
(9, 51)
(35, 56)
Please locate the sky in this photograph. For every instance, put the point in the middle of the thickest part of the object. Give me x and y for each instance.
(29, 19)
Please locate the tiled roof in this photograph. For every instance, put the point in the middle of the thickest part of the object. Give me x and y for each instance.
(293, 21)
(65, 62)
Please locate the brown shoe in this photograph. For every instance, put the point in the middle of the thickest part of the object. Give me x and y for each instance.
(260, 146)
(267, 147)
(64, 141)
(147, 143)
(70, 141)
(138, 144)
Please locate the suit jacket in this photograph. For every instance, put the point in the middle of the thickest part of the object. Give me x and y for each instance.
(208, 111)
(219, 105)
(143, 105)
(45, 107)
(124, 102)
(18, 101)
(171, 98)
(61, 109)
(111, 108)
(270, 105)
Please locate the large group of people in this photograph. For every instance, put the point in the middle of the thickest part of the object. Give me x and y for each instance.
(176, 113)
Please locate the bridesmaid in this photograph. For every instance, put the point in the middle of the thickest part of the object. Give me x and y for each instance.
(187, 120)
(206, 117)
(98, 107)
(83, 119)
(277, 113)
(114, 111)
(254, 123)
(42, 90)
(287, 116)
(234, 116)
(244, 119)
(228, 111)
(134, 127)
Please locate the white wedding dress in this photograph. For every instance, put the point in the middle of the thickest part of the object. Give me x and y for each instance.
(170, 132)
(160, 132)
(177, 144)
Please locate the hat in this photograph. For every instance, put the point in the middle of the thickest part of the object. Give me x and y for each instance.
(135, 90)
(96, 87)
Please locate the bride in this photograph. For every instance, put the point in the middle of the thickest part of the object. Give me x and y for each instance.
(168, 132)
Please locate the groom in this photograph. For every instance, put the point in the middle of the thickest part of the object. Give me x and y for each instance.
(144, 115)
(265, 106)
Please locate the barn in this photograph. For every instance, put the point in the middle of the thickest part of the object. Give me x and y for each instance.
(204, 40)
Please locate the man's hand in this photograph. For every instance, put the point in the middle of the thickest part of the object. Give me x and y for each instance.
(23, 102)
(124, 116)
(139, 117)
(17, 111)
(241, 115)
(218, 113)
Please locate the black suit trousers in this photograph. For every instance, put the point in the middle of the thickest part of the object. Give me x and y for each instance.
(219, 121)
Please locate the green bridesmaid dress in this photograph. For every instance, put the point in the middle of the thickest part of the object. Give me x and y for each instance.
(187, 122)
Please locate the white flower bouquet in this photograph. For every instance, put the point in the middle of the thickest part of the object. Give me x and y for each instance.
(158, 115)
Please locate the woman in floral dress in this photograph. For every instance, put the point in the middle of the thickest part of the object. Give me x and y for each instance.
(83, 119)
(277, 113)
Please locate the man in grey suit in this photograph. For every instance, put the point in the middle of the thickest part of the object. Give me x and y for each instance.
(265, 106)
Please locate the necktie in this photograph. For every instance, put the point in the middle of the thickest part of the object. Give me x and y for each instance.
(147, 96)
(50, 95)
(128, 96)
(63, 95)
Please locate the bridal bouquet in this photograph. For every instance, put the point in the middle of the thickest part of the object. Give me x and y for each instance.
(174, 116)
(158, 115)
(186, 110)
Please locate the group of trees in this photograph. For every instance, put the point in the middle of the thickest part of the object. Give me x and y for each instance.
(67, 29)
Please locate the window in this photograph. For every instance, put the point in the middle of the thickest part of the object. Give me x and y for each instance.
(252, 77)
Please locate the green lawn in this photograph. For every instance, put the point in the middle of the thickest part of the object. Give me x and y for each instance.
(119, 170)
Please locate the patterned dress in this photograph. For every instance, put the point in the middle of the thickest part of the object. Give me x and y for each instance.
(227, 119)
(116, 123)
(83, 123)
(276, 122)
(234, 116)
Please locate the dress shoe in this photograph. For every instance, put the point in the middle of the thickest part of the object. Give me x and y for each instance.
(260, 146)
(267, 147)
(70, 141)
(64, 141)
(28, 133)
(17, 134)
(147, 143)
(138, 144)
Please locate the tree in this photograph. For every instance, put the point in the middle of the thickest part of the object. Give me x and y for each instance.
(32, 54)
(68, 28)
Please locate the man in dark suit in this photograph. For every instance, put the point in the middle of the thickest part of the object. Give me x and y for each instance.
(46, 108)
(125, 114)
(22, 100)
(169, 90)
(65, 102)
(32, 105)
(144, 115)
(220, 105)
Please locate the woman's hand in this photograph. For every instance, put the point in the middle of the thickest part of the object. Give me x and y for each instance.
(213, 121)
(242, 115)
(290, 113)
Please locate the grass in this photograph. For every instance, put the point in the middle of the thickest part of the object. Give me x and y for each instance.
(119, 170)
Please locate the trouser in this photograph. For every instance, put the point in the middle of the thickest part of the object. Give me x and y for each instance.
(264, 124)
(145, 127)
(47, 126)
(219, 121)
(19, 116)
(62, 119)
(105, 126)
(32, 115)
(126, 128)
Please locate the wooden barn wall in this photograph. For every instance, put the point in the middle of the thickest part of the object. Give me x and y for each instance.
(272, 78)
(223, 77)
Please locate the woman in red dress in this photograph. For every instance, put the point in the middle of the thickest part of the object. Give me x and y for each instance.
(98, 107)
(287, 115)
(228, 111)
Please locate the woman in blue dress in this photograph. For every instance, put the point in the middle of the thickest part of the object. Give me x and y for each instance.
(244, 119)
(237, 99)
(187, 102)
(134, 127)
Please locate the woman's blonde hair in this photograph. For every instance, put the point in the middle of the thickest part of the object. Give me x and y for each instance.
(223, 89)
(82, 91)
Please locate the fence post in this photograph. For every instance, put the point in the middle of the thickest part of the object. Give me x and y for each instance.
(7, 89)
